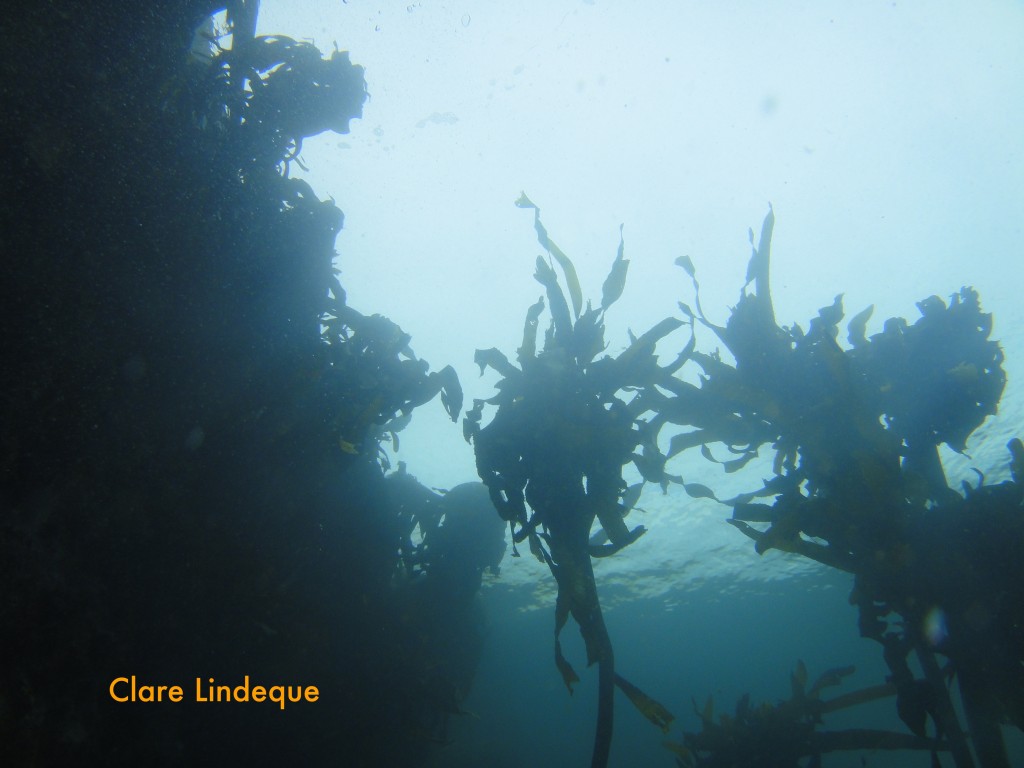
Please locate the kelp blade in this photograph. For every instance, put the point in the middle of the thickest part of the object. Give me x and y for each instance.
(647, 706)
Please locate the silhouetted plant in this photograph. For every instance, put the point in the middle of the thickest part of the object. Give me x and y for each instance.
(258, 99)
(567, 423)
(372, 380)
(858, 484)
(782, 735)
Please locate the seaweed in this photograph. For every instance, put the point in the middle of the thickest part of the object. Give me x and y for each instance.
(254, 102)
(858, 484)
(192, 414)
(567, 422)
(781, 735)
(372, 380)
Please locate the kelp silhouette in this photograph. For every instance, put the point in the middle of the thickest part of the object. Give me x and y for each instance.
(553, 455)
(858, 484)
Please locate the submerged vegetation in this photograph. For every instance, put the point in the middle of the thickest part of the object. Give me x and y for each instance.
(858, 485)
(857, 482)
(191, 481)
(553, 455)
(782, 735)
(192, 473)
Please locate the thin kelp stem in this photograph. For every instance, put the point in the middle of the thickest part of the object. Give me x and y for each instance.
(945, 713)
(605, 680)
(605, 711)
(982, 718)
(577, 594)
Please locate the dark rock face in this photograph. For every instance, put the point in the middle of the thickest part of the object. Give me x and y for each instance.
(174, 503)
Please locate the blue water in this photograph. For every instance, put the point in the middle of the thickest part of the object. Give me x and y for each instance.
(717, 641)
(722, 645)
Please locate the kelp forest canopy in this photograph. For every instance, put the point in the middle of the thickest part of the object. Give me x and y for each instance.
(857, 482)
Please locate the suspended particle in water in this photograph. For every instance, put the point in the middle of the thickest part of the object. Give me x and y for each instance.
(466, 19)
(935, 629)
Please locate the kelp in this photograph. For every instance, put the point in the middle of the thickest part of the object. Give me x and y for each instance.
(203, 451)
(866, 417)
(784, 734)
(857, 483)
(571, 280)
(568, 421)
(257, 100)
(373, 380)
